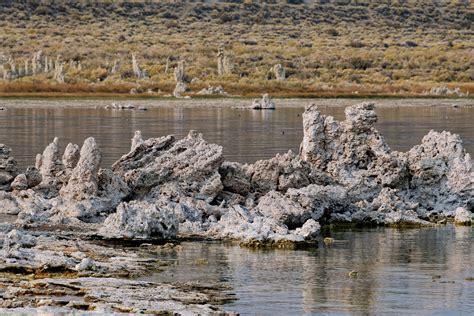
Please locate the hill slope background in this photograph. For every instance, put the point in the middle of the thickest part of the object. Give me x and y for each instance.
(326, 48)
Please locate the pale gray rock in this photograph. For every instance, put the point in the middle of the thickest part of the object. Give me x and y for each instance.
(310, 230)
(191, 162)
(8, 167)
(212, 90)
(137, 140)
(235, 178)
(283, 210)
(116, 67)
(352, 151)
(15, 240)
(258, 229)
(463, 217)
(111, 188)
(36, 65)
(50, 165)
(20, 182)
(264, 104)
(86, 264)
(33, 177)
(140, 220)
(179, 89)
(71, 156)
(84, 177)
(179, 72)
(58, 73)
(445, 91)
(8, 204)
(281, 173)
(320, 201)
(279, 71)
(442, 175)
(137, 71)
(224, 64)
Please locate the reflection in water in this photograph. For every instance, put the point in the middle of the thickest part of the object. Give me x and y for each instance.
(399, 271)
(246, 135)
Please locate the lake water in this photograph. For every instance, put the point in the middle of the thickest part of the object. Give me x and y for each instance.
(28, 126)
(404, 272)
(420, 271)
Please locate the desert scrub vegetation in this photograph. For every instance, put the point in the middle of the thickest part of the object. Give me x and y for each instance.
(350, 46)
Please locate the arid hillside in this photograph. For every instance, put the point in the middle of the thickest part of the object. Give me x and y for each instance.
(348, 47)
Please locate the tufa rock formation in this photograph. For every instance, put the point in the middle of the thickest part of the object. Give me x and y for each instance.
(224, 65)
(279, 72)
(167, 188)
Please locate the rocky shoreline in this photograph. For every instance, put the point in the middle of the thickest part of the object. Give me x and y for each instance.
(69, 211)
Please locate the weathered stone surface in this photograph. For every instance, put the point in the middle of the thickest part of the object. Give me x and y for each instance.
(83, 181)
(33, 177)
(345, 172)
(463, 217)
(224, 64)
(310, 230)
(8, 204)
(212, 90)
(15, 240)
(71, 156)
(264, 104)
(352, 151)
(137, 140)
(320, 201)
(179, 89)
(442, 176)
(281, 173)
(140, 220)
(285, 211)
(20, 182)
(50, 165)
(8, 166)
(235, 178)
(192, 162)
(137, 71)
(279, 71)
(179, 72)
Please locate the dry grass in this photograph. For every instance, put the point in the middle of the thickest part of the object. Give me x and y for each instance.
(361, 48)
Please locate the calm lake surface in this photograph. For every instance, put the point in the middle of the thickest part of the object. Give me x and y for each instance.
(419, 271)
(28, 126)
(404, 272)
